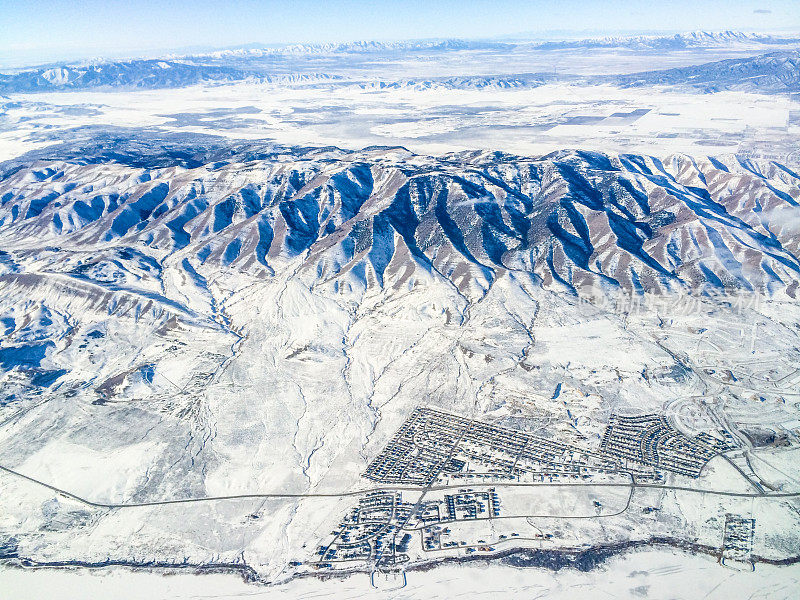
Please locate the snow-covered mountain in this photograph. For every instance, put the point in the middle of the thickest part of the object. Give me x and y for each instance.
(777, 72)
(679, 41)
(372, 63)
(359, 47)
(146, 74)
(571, 220)
(157, 74)
(123, 74)
(189, 319)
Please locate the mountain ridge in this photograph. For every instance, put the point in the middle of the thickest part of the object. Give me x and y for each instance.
(571, 220)
(776, 72)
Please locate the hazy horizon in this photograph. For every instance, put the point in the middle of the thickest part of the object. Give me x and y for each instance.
(44, 31)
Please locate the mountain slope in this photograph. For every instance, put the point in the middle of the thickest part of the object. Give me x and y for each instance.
(777, 72)
(144, 74)
(573, 219)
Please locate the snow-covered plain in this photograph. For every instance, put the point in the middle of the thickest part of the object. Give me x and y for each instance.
(428, 120)
(657, 574)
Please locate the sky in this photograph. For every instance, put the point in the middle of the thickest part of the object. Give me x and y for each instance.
(43, 30)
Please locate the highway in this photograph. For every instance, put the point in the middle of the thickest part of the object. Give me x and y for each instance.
(343, 494)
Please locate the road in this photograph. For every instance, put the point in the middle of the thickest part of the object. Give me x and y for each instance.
(417, 489)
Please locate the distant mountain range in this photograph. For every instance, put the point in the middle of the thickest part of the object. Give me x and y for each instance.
(360, 47)
(147, 74)
(681, 41)
(776, 72)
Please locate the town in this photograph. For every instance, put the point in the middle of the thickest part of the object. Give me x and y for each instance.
(433, 448)
(380, 527)
(432, 445)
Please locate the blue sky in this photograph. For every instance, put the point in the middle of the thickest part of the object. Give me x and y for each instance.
(54, 29)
